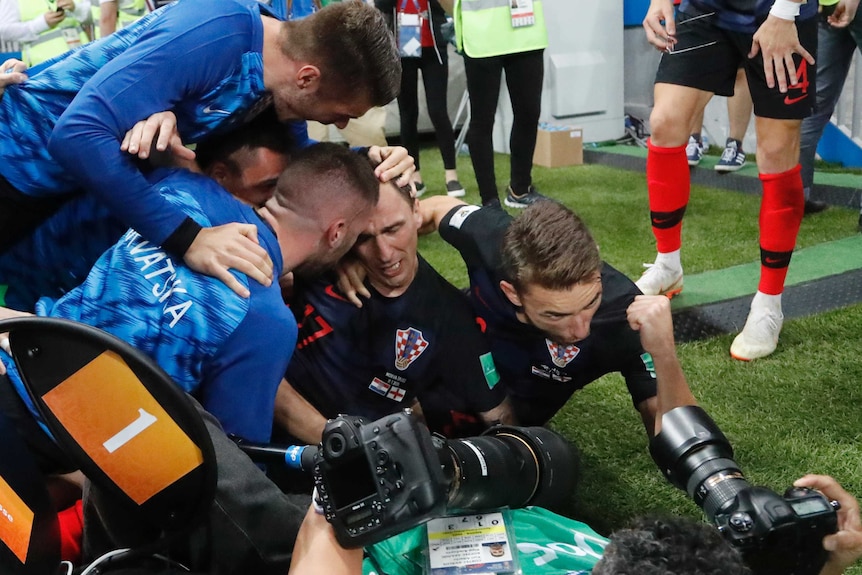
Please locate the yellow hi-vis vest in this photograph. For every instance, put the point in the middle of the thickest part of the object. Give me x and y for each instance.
(483, 28)
(128, 11)
(67, 35)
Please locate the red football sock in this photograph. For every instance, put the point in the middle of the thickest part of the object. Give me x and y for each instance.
(781, 213)
(669, 188)
(71, 532)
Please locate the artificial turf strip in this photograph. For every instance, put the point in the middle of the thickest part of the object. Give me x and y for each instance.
(799, 300)
(807, 264)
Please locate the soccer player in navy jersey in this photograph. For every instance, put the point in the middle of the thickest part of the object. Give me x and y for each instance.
(555, 313)
(413, 343)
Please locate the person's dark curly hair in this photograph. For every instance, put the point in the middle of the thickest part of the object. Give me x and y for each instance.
(669, 546)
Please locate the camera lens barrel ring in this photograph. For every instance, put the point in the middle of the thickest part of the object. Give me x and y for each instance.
(532, 453)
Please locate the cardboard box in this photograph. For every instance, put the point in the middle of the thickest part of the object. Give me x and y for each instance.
(558, 146)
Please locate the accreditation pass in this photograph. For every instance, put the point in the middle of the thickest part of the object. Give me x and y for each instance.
(474, 544)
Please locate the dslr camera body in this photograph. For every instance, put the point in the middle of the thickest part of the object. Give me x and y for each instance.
(777, 535)
(376, 479)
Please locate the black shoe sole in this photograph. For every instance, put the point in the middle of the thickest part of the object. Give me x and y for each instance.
(814, 207)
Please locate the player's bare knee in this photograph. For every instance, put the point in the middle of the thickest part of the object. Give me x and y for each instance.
(667, 129)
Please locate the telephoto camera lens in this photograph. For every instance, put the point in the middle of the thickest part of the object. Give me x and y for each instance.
(508, 466)
(695, 456)
(777, 535)
(375, 479)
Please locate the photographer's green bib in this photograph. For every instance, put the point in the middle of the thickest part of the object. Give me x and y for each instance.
(548, 544)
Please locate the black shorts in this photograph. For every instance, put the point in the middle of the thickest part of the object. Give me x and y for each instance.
(707, 58)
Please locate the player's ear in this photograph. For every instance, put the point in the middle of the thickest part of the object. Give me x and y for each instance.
(219, 172)
(417, 213)
(308, 78)
(336, 233)
(511, 293)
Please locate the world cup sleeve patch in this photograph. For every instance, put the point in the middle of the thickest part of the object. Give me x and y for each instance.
(458, 217)
(489, 370)
(648, 363)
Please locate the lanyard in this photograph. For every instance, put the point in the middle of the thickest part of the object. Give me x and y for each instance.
(404, 5)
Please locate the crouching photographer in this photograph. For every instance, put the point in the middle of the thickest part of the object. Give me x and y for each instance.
(776, 534)
(814, 527)
(682, 545)
(800, 532)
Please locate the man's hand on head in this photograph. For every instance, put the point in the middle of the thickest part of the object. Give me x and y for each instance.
(215, 251)
(351, 278)
(157, 133)
(392, 162)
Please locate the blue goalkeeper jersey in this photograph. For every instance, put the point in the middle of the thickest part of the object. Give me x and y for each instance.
(215, 344)
(60, 130)
(58, 255)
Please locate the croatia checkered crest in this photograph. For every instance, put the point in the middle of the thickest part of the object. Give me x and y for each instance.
(561, 355)
(409, 344)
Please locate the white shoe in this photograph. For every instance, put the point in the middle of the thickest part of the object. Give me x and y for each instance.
(660, 279)
(759, 337)
(694, 151)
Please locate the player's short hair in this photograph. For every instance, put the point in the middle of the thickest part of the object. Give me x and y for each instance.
(669, 546)
(405, 192)
(327, 179)
(264, 131)
(351, 45)
(549, 245)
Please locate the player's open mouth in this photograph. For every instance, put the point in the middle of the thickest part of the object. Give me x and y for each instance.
(392, 270)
